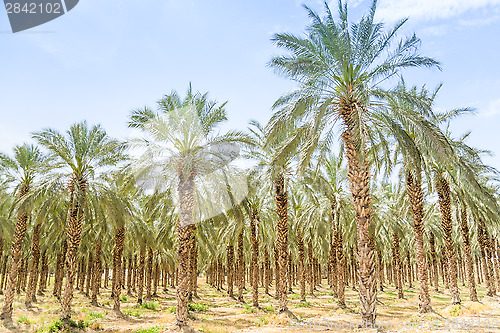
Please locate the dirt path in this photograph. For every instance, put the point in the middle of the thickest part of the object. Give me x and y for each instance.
(214, 313)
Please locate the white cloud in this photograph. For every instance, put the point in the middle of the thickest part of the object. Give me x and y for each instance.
(493, 109)
(393, 10)
(434, 30)
(479, 21)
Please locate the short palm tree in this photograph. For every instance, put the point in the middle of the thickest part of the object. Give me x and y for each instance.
(21, 170)
(81, 154)
(274, 169)
(328, 183)
(340, 68)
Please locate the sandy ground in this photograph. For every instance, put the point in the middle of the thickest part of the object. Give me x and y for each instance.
(216, 313)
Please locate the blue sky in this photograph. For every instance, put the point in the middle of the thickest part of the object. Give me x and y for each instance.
(105, 58)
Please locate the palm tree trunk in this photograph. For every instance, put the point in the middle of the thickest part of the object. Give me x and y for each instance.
(241, 268)
(444, 268)
(230, 270)
(19, 277)
(333, 255)
(282, 238)
(134, 275)
(130, 271)
(255, 257)
(341, 264)
(495, 265)
(444, 200)
(310, 276)
(484, 254)
(468, 256)
(90, 266)
(267, 274)
(117, 263)
(149, 273)
(43, 274)
(123, 268)
(397, 265)
(35, 258)
(359, 179)
(157, 273)
(74, 233)
(59, 275)
(490, 258)
(20, 231)
(416, 196)
(184, 234)
(4, 270)
(96, 274)
(140, 274)
(276, 274)
(302, 271)
(81, 276)
(434, 261)
(380, 270)
(410, 269)
(106, 276)
(193, 267)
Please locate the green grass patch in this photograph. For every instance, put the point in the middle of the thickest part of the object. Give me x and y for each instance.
(55, 326)
(154, 329)
(132, 313)
(455, 310)
(440, 297)
(262, 321)
(248, 309)
(124, 298)
(93, 315)
(268, 308)
(24, 320)
(148, 306)
(200, 307)
(305, 304)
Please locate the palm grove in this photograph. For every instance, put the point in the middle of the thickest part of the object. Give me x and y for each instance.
(398, 200)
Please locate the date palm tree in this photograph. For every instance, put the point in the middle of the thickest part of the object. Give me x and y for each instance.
(274, 169)
(21, 170)
(81, 154)
(327, 183)
(413, 125)
(182, 148)
(340, 68)
(471, 190)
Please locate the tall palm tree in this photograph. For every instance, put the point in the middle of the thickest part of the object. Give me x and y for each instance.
(21, 170)
(464, 229)
(466, 174)
(82, 153)
(339, 68)
(412, 123)
(182, 148)
(444, 200)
